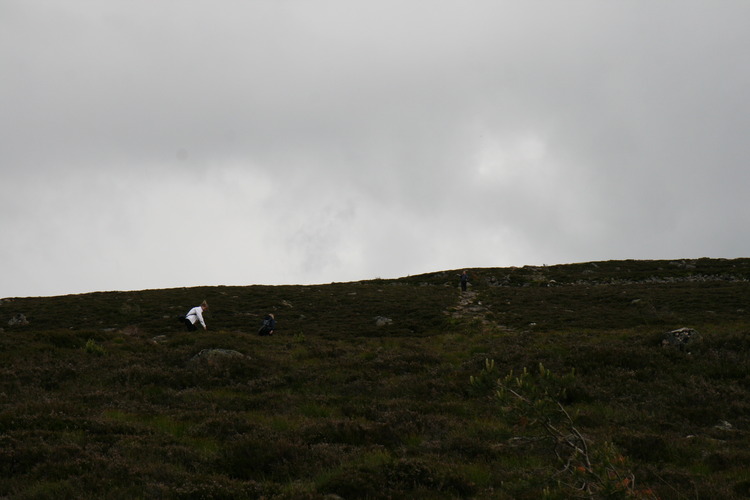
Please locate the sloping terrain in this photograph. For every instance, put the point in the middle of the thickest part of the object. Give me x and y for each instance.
(103, 395)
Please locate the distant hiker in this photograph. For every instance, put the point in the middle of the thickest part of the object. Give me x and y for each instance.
(464, 281)
(195, 315)
(268, 325)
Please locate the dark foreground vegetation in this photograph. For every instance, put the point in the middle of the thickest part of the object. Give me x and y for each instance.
(103, 395)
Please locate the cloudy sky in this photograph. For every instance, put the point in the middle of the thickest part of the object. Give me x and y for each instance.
(158, 144)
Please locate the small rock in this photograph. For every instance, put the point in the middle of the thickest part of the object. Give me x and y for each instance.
(680, 338)
(131, 330)
(129, 309)
(18, 320)
(210, 354)
(723, 425)
(218, 359)
(383, 321)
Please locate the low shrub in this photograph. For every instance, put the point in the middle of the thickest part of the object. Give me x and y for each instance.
(360, 411)
(91, 347)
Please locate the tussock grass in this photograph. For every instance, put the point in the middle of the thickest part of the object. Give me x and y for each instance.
(103, 395)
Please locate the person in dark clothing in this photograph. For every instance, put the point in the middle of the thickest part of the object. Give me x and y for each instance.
(268, 326)
(464, 281)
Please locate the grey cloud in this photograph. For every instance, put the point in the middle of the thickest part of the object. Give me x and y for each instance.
(320, 141)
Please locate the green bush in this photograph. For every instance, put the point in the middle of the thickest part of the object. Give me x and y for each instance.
(92, 347)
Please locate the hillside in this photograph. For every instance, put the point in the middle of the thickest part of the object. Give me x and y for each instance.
(104, 395)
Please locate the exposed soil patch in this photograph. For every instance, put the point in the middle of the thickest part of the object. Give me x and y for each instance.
(469, 306)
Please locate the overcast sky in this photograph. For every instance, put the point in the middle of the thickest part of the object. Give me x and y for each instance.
(167, 143)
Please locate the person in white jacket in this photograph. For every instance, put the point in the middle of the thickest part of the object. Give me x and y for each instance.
(195, 315)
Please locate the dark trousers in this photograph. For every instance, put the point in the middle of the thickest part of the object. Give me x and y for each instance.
(190, 327)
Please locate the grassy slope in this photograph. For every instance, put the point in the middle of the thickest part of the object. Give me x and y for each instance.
(91, 406)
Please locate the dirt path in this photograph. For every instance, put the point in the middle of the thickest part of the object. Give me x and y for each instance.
(470, 307)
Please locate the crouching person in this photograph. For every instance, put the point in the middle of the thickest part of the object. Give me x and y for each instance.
(195, 315)
(268, 326)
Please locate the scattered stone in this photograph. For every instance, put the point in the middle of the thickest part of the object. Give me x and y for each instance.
(159, 339)
(18, 320)
(218, 352)
(680, 338)
(495, 281)
(218, 360)
(212, 355)
(130, 309)
(723, 425)
(382, 321)
(131, 330)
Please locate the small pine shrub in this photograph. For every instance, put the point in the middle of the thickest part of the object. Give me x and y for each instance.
(533, 400)
(91, 347)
